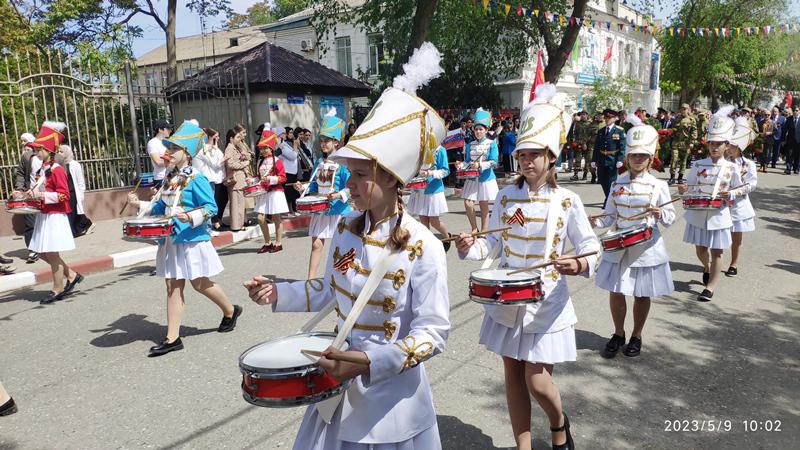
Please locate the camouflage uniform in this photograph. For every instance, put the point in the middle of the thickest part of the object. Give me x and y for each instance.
(585, 133)
(683, 139)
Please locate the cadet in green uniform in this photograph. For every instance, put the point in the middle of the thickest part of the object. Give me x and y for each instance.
(683, 140)
(585, 131)
(609, 151)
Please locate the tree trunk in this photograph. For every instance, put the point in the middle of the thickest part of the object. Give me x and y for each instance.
(558, 52)
(172, 59)
(419, 31)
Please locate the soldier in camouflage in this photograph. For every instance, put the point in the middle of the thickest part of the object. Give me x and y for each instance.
(585, 131)
(683, 141)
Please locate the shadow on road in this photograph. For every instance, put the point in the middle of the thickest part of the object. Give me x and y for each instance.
(456, 434)
(134, 328)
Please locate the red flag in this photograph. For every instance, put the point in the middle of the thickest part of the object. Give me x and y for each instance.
(609, 53)
(539, 77)
(789, 100)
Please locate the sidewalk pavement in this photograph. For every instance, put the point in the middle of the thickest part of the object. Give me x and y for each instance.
(105, 249)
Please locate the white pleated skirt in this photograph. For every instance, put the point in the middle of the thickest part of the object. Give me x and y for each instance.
(322, 226)
(718, 239)
(273, 202)
(51, 233)
(315, 434)
(480, 192)
(429, 205)
(745, 225)
(652, 281)
(545, 348)
(187, 261)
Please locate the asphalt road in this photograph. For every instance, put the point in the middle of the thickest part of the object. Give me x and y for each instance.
(79, 373)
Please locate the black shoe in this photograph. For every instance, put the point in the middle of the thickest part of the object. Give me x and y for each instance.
(32, 258)
(52, 297)
(446, 244)
(671, 180)
(706, 277)
(583, 178)
(4, 260)
(8, 408)
(594, 180)
(773, 166)
(705, 296)
(569, 445)
(574, 177)
(165, 347)
(613, 345)
(71, 284)
(634, 347)
(786, 172)
(680, 179)
(229, 323)
(731, 272)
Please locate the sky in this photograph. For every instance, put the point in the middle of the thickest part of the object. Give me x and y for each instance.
(189, 24)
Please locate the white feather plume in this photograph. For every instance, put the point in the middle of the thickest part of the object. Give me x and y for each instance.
(742, 121)
(331, 112)
(480, 109)
(423, 66)
(634, 120)
(545, 93)
(57, 126)
(724, 111)
(267, 126)
(194, 121)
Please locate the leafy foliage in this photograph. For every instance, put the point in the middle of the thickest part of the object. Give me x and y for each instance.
(610, 92)
(264, 12)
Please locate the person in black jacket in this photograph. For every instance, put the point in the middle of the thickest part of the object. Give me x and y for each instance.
(791, 141)
(22, 183)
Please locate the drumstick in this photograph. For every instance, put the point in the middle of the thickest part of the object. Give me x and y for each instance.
(477, 233)
(597, 216)
(539, 266)
(310, 180)
(138, 183)
(338, 357)
(639, 216)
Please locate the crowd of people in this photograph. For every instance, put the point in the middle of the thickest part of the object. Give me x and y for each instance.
(360, 178)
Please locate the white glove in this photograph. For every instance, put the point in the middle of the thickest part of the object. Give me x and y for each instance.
(594, 165)
(272, 180)
(619, 164)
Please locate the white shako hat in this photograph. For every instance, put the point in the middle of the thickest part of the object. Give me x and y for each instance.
(641, 138)
(720, 127)
(743, 135)
(544, 124)
(401, 127)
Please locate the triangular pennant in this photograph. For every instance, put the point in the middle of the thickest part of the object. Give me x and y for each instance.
(507, 8)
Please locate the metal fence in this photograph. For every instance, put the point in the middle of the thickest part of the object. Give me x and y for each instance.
(109, 114)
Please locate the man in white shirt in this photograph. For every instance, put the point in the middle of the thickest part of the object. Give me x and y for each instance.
(156, 150)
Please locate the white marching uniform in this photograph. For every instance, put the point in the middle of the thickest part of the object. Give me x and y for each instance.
(404, 323)
(52, 232)
(542, 332)
(742, 212)
(641, 270)
(711, 228)
(273, 201)
(476, 190)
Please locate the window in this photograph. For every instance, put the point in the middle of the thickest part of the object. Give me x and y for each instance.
(344, 61)
(375, 54)
(189, 71)
(150, 82)
(234, 42)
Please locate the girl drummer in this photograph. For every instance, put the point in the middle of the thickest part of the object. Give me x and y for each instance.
(389, 403)
(273, 202)
(52, 233)
(641, 271)
(187, 254)
(330, 179)
(742, 212)
(481, 154)
(431, 203)
(533, 338)
(710, 229)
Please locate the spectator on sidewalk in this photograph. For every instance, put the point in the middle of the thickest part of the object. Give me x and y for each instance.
(508, 142)
(791, 141)
(289, 149)
(78, 221)
(156, 150)
(210, 161)
(25, 177)
(237, 164)
(350, 130)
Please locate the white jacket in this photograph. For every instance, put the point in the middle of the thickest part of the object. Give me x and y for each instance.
(289, 158)
(742, 209)
(209, 162)
(551, 217)
(405, 322)
(706, 177)
(628, 198)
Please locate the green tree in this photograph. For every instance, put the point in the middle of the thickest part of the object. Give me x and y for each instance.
(610, 92)
(265, 11)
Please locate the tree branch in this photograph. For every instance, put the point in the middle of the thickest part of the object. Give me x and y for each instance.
(152, 13)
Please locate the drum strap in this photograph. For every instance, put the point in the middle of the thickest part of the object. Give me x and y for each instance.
(311, 180)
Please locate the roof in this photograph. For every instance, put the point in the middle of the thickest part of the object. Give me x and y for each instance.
(200, 46)
(272, 66)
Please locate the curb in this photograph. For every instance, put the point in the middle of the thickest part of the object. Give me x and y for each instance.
(137, 256)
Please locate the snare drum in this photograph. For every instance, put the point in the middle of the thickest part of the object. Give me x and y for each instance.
(467, 174)
(701, 201)
(23, 206)
(313, 204)
(417, 183)
(622, 239)
(498, 287)
(276, 375)
(254, 187)
(146, 228)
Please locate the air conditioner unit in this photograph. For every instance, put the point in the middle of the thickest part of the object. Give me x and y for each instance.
(307, 45)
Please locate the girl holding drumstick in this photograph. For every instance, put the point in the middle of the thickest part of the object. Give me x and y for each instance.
(533, 338)
(389, 404)
(273, 202)
(742, 212)
(641, 271)
(481, 154)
